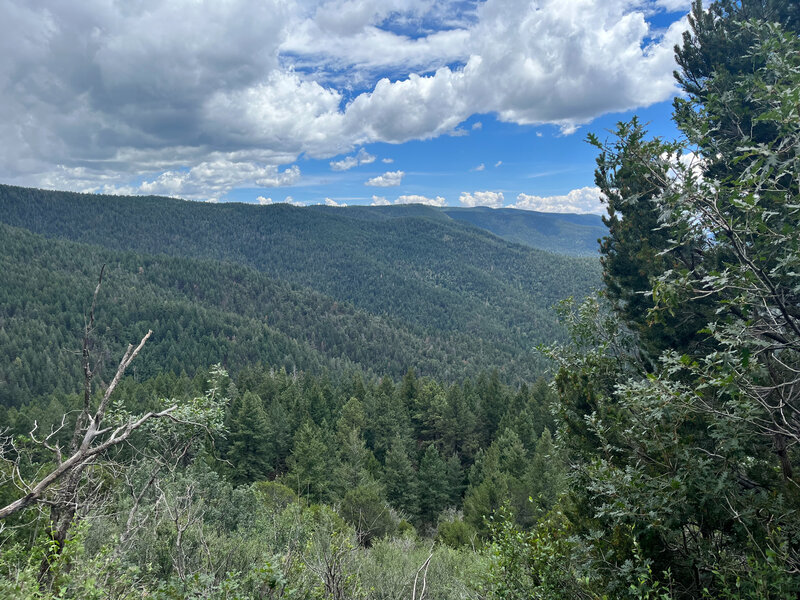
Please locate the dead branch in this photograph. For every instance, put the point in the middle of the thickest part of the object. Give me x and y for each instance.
(424, 570)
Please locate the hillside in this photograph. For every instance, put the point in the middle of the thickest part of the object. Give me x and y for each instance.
(310, 288)
(562, 233)
(574, 235)
(436, 276)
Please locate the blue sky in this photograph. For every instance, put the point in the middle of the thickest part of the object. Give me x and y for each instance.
(336, 101)
(497, 157)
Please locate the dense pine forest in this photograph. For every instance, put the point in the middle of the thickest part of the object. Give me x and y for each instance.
(230, 401)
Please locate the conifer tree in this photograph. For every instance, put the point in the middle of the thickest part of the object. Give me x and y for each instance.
(432, 485)
(251, 448)
(400, 479)
(310, 462)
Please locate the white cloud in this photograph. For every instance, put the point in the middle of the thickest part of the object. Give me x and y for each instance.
(480, 167)
(101, 96)
(362, 157)
(458, 132)
(331, 202)
(264, 201)
(415, 199)
(388, 161)
(348, 39)
(531, 63)
(477, 125)
(380, 201)
(498, 163)
(582, 200)
(675, 5)
(491, 199)
(216, 178)
(388, 179)
(688, 163)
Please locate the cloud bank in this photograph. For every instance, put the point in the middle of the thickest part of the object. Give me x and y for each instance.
(583, 200)
(490, 199)
(195, 99)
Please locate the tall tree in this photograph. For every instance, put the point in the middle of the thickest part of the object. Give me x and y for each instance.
(400, 479)
(432, 485)
(250, 450)
(309, 464)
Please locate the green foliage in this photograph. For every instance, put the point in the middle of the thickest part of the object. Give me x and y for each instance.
(673, 394)
(249, 440)
(456, 533)
(309, 464)
(432, 485)
(400, 480)
(309, 289)
(365, 508)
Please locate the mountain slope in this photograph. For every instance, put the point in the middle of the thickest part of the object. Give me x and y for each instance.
(562, 233)
(574, 235)
(201, 312)
(465, 299)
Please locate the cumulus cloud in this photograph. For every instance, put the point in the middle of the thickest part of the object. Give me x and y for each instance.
(480, 167)
(215, 179)
(102, 96)
(498, 163)
(686, 165)
(583, 200)
(491, 199)
(477, 125)
(388, 161)
(264, 201)
(415, 199)
(675, 5)
(331, 202)
(388, 179)
(362, 157)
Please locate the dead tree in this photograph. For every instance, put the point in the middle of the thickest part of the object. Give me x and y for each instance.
(59, 488)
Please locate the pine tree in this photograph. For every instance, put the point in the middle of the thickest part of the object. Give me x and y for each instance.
(455, 480)
(251, 450)
(546, 475)
(309, 464)
(400, 479)
(432, 485)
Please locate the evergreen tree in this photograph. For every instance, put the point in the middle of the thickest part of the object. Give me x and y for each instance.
(546, 475)
(400, 479)
(280, 432)
(309, 464)
(354, 461)
(432, 485)
(455, 480)
(251, 448)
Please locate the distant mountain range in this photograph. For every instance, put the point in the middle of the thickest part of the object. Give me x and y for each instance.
(573, 235)
(377, 288)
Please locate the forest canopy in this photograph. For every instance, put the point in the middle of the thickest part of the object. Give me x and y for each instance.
(660, 461)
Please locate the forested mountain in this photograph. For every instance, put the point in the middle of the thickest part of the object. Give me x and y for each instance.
(574, 235)
(320, 405)
(430, 272)
(570, 234)
(206, 311)
(420, 291)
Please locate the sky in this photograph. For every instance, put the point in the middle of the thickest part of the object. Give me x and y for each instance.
(339, 102)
